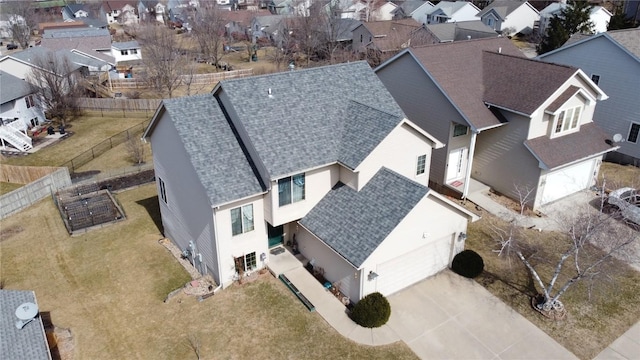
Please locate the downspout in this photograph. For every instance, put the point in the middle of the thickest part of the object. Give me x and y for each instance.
(467, 176)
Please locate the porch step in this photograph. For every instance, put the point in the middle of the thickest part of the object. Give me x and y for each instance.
(297, 293)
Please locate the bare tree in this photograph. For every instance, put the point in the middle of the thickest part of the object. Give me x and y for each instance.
(135, 149)
(164, 58)
(56, 81)
(588, 241)
(208, 28)
(22, 21)
(193, 343)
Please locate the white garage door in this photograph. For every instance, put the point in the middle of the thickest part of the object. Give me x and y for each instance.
(563, 182)
(407, 269)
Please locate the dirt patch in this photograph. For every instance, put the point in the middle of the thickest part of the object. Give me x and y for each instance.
(512, 204)
(120, 182)
(8, 232)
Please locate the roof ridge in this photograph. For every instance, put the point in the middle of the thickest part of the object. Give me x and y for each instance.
(375, 108)
(286, 73)
(529, 59)
(454, 43)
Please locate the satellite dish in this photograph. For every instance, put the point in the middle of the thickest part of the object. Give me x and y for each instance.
(617, 138)
(26, 312)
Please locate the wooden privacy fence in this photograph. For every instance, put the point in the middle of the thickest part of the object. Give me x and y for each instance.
(34, 191)
(119, 104)
(24, 174)
(196, 79)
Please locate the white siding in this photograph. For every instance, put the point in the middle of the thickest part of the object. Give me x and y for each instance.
(521, 20)
(399, 152)
(568, 180)
(15, 68)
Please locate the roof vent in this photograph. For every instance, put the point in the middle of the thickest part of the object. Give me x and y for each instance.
(468, 37)
(269, 92)
(499, 50)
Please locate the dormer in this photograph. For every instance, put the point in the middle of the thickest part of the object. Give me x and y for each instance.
(567, 112)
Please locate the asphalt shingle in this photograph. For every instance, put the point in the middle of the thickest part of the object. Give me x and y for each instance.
(12, 88)
(355, 223)
(215, 153)
(26, 343)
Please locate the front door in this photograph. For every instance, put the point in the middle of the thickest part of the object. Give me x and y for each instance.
(275, 235)
(457, 164)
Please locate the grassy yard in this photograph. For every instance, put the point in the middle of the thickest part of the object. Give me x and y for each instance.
(108, 287)
(87, 130)
(598, 312)
(6, 187)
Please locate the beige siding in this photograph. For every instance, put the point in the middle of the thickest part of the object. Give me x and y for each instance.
(318, 182)
(348, 177)
(424, 104)
(231, 246)
(502, 160)
(399, 152)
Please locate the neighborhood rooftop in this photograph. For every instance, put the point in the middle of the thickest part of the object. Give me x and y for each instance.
(370, 214)
(26, 343)
(12, 88)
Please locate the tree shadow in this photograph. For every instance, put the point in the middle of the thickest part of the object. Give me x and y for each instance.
(153, 209)
(81, 175)
(528, 288)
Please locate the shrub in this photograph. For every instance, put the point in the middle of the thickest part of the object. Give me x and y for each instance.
(372, 311)
(468, 264)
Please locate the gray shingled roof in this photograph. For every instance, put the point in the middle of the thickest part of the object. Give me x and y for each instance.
(75, 33)
(215, 153)
(26, 343)
(562, 150)
(32, 54)
(355, 223)
(460, 30)
(628, 38)
(12, 88)
(301, 125)
(125, 45)
(502, 8)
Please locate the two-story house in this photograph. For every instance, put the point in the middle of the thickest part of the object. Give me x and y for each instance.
(509, 122)
(119, 11)
(612, 60)
(152, 11)
(510, 17)
(598, 15)
(19, 111)
(451, 11)
(322, 159)
(126, 51)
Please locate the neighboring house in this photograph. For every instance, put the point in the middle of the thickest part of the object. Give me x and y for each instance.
(363, 10)
(151, 10)
(19, 111)
(175, 4)
(289, 7)
(510, 17)
(612, 60)
(322, 158)
(508, 121)
(599, 16)
(463, 30)
(450, 11)
(119, 11)
(22, 63)
(269, 27)
(415, 9)
(343, 31)
(384, 36)
(126, 51)
(71, 12)
(93, 42)
(238, 23)
(30, 342)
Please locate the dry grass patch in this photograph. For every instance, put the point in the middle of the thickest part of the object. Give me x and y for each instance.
(599, 311)
(618, 176)
(6, 187)
(108, 287)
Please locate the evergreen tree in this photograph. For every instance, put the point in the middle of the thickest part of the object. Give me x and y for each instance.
(619, 20)
(572, 19)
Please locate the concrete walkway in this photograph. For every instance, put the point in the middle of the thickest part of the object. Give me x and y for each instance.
(626, 346)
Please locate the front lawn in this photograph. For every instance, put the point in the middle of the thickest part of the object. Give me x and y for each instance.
(598, 311)
(108, 287)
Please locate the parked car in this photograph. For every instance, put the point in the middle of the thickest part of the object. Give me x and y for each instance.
(627, 200)
(12, 46)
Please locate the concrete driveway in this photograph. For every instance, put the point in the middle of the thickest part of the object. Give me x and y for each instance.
(450, 317)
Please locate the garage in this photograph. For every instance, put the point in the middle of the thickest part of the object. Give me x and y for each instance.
(567, 181)
(407, 269)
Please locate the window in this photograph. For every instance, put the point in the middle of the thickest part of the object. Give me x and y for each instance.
(124, 52)
(29, 101)
(360, 38)
(291, 189)
(134, 51)
(246, 263)
(595, 78)
(421, 164)
(568, 120)
(242, 219)
(490, 22)
(633, 133)
(459, 130)
(163, 191)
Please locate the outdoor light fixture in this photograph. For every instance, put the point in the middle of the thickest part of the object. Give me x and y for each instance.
(462, 236)
(372, 275)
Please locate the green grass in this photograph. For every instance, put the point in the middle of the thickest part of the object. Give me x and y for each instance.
(108, 285)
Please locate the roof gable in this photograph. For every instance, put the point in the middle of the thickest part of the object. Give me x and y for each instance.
(384, 201)
(503, 8)
(626, 39)
(12, 88)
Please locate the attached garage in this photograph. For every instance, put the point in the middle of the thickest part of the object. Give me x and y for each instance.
(566, 181)
(407, 269)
